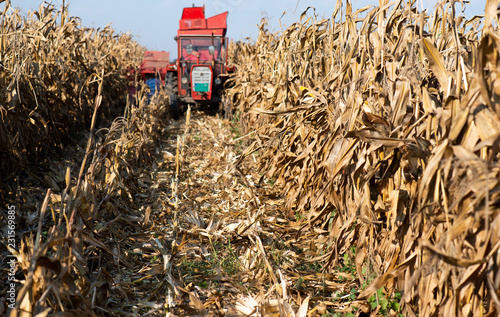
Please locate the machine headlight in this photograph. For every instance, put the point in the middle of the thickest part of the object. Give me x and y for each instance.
(217, 81)
(184, 80)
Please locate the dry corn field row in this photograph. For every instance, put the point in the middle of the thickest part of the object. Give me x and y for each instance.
(384, 132)
(51, 68)
(358, 175)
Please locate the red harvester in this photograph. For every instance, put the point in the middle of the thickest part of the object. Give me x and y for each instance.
(198, 75)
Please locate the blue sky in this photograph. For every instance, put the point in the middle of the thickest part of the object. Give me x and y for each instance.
(154, 23)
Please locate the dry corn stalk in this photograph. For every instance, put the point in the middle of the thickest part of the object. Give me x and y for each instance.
(50, 67)
(68, 270)
(65, 77)
(387, 127)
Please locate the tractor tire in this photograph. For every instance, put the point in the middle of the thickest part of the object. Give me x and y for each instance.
(174, 102)
(174, 106)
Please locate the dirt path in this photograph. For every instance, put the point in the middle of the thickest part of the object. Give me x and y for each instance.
(212, 211)
(223, 245)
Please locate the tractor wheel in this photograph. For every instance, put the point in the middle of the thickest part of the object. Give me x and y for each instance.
(171, 89)
(174, 106)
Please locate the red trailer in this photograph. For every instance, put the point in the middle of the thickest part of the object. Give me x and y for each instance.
(199, 73)
(156, 63)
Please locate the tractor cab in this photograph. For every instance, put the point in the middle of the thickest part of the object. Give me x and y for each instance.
(201, 49)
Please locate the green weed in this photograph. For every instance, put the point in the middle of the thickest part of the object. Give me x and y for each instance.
(298, 215)
(385, 304)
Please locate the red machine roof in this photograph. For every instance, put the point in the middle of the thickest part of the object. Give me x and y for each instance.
(193, 18)
(156, 56)
(193, 13)
(218, 21)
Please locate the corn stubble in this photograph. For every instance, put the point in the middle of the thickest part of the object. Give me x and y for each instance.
(385, 131)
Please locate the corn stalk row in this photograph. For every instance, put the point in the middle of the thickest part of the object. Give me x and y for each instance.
(50, 69)
(382, 127)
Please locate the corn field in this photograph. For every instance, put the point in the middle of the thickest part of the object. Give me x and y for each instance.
(51, 66)
(383, 131)
(58, 79)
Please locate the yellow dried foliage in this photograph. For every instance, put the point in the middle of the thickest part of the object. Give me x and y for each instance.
(383, 127)
(69, 268)
(57, 76)
(51, 65)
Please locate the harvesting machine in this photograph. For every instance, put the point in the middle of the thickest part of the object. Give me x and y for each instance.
(198, 75)
(155, 63)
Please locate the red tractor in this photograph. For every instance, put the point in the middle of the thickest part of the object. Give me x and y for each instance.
(198, 75)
